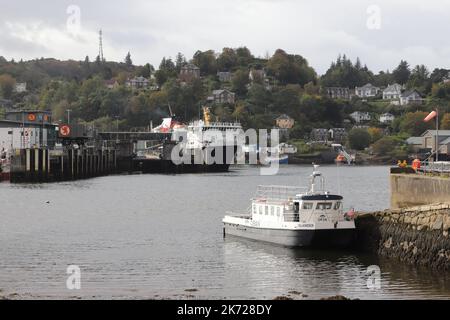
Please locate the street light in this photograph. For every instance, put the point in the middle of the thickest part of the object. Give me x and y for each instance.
(68, 115)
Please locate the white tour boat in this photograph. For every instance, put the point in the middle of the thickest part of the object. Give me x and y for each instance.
(287, 216)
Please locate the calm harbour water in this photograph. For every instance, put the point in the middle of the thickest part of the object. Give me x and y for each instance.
(158, 236)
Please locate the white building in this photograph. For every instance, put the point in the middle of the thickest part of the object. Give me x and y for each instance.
(386, 118)
(359, 116)
(20, 87)
(411, 97)
(367, 91)
(392, 92)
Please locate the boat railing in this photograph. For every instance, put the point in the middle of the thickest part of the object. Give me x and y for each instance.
(278, 192)
(245, 215)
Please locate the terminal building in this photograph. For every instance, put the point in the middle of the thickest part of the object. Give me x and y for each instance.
(27, 130)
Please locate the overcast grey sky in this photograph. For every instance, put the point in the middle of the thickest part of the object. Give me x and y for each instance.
(380, 32)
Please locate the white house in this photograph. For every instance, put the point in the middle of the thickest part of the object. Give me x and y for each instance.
(20, 87)
(386, 118)
(138, 82)
(367, 91)
(411, 97)
(392, 92)
(359, 116)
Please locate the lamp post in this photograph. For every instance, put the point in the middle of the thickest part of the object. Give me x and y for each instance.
(68, 115)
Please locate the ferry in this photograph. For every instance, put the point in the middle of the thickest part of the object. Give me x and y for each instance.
(295, 217)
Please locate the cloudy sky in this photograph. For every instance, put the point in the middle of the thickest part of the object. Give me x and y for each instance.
(380, 32)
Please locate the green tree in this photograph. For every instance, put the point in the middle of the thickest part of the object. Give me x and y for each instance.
(206, 61)
(359, 139)
(7, 84)
(402, 72)
(413, 123)
(290, 68)
(128, 60)
(239, 82)
(227, 60)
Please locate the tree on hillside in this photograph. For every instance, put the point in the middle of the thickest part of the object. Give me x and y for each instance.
(128, 60)
(413, 123)
(288, 68)
(244, 56)
(206, 61)
(7, 84)
(402, 72)
(180, 61)
(359, 139)
(227, 60)
(239, 82)
(342, 73)
(420, 79)
(445, 123)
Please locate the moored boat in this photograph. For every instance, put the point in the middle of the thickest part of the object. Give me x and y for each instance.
(293, 217)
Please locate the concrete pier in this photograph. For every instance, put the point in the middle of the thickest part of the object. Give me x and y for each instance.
(44, 165)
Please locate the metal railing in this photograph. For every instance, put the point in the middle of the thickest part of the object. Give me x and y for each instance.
(435, 167)
(278, 192)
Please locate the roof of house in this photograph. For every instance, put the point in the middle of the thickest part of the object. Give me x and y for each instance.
(433, 133)
(410, 92)
(368, 86)
(190, 66)
(446, 141)
(215, 92)
(414, 140)
(284, 117)
(393, 87)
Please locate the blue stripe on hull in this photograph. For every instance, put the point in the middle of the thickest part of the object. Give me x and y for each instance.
(294, 238)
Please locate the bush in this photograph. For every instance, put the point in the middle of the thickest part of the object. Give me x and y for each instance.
(359, 139)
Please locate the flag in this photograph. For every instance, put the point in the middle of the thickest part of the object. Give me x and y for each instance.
(431, 116)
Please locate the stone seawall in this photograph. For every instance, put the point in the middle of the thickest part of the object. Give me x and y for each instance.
(418, 235)
(409, 190)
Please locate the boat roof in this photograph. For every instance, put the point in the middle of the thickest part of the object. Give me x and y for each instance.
(324, 197)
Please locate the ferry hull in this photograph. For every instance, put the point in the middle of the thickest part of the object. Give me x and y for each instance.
(341, 238)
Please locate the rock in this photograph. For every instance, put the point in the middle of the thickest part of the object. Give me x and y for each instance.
(437, 225)
(282, 298)
(338, 297)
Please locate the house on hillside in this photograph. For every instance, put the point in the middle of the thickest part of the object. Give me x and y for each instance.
(224, 76)
(20, 87)
(222, 96)
(392, 92)
(359, 116)
(189, 72)
(415, 143)
(111, 84)
(285, 122)
(411, 97)
(137, 83)
(367, 91)
(338, 92)
(386, 118)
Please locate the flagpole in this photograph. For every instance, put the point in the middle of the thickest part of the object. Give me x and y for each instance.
(437, 135)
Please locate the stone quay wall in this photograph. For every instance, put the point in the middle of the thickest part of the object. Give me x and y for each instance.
(409, 190)
(417, 235)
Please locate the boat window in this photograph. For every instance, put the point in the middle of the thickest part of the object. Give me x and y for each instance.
(272, 209)
(254, 208)
(296, 207)
(307, 205)
(337, 206)
(324, 205)
(278, 211)
(260, 210)
(266, 211)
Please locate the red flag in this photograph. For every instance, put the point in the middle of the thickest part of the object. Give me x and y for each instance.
(431, 116)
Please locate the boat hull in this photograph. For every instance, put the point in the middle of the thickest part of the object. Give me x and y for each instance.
(341, 238)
